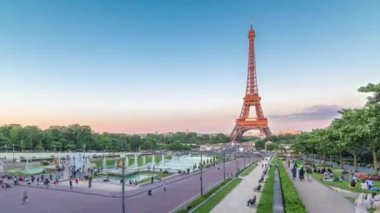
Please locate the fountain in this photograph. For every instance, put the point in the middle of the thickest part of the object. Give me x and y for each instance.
(163, 160)
(28, 169)
(135, 163)
(144, 160)
(27, 165)
(115, 166)
(181, 163)
(2, 166)
(104, 163)
(126, 161)
(153, 160)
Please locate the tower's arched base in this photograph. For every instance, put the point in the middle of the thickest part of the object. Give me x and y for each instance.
(238, 132)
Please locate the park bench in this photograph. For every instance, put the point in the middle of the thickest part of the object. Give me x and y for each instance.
(257, 188)
(252, 202)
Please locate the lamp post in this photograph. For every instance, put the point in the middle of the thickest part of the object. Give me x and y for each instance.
(224, 165)
(237, 166)
(13, 152)
(201, 177)
(123, 186)
(244, 159)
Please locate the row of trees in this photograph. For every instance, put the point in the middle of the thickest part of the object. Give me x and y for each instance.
(356, 132)
(78, 137)
(276, 139)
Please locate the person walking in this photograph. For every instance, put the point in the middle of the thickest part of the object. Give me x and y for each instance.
(71, 183)
(89, 182)
(308, 179)
(294, 172)
(25, 197)
(362, 205)
(164, 186)
(301, 174)
(376, 204)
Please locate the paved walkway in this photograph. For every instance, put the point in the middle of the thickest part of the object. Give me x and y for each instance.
(236, 200)
(319, 198)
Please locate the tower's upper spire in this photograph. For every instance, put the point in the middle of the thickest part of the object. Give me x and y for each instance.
(251, 31)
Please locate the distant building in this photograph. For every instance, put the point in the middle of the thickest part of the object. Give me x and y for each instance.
(214, 147)
(246, 146)
(288, 132)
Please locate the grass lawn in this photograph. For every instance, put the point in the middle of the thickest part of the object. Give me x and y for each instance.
(266, 200)
(248, 170)
(214, 200)
(203, 197)
(341, 184)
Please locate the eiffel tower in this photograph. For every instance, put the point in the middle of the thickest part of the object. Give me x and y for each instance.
(251, 99)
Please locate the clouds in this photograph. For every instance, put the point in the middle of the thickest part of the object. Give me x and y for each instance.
(313, 113)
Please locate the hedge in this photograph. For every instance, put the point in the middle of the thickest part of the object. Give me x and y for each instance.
(293, 203)
(266, 200)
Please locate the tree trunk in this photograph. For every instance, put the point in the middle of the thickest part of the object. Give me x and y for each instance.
(374, 160)
(341, 160)
(355, 162)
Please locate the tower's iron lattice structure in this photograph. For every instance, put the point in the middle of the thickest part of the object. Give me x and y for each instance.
(251, 99)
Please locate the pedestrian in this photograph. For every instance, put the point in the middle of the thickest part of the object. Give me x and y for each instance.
(151, 180)
(89, 182)
(301, 174)
(25, 197)
(294, 172)
(376, 204)
(71, 183)
(361, 204)
(76, 180)
(149, 192)
(164, 186)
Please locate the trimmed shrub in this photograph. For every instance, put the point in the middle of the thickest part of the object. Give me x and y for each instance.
(293, 203)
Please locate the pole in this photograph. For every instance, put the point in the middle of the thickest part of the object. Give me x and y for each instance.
(13, 152)
(237, 164)
(244, 159)
(201, 178)
(123, 186)
(224, 165)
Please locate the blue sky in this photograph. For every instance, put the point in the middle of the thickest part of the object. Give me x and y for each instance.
(146, 66)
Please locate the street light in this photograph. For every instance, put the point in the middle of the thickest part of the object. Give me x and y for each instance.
(244, 159)
(224, 165)
(201, 178)
(236, 159)
(13, 152)
(123, 186)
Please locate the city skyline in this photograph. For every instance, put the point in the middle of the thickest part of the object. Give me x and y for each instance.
(102, 65)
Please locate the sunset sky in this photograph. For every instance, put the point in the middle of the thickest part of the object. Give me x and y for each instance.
(147, 66)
